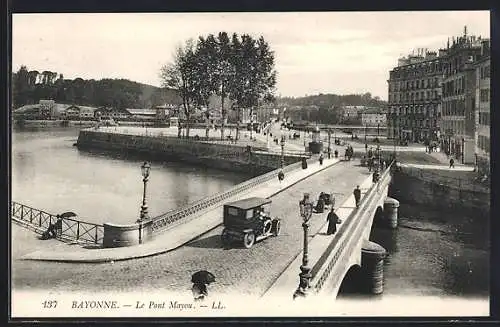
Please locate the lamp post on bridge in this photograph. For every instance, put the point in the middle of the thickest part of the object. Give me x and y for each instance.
(329, 137)
(306, 209)
(145, 168)
(394, 139)
(282, 143)
(365, 137)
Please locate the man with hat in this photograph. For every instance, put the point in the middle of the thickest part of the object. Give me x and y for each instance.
(333, 219)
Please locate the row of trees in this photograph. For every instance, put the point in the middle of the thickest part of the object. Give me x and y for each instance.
(327, 108)
(238, 69)
(334, 100)
(28, 87)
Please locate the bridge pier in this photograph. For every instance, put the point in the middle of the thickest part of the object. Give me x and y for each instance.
(391, 212)
(372, 267)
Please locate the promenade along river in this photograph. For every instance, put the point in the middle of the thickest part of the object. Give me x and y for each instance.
(430, 253)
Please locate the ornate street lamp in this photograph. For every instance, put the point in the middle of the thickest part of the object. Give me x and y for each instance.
(365, 136)
(329, 137)
(145, 168)
(282, 151)
(378, 155)
(306, 209)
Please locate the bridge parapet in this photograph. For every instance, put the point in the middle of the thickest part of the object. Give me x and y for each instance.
(167, 220)
(335, 259)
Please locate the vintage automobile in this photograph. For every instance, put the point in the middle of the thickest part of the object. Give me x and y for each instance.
(249, 221)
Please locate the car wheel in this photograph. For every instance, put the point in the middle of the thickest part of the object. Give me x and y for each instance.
(248, 240)
(277, 227)
(225, 237)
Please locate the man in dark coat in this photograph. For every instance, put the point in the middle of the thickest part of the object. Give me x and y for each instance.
(333, 220)
(357, 195)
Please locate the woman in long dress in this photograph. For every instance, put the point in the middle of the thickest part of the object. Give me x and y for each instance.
(333, 220)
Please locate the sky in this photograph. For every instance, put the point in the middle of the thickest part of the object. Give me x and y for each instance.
(315, 52)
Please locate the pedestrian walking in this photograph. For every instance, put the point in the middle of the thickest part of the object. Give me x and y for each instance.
(336, 153)
(321, 159)
(333, 219)
(281, 176)
(366, 147)
(452, 163)
(357, 195)
(304, 163)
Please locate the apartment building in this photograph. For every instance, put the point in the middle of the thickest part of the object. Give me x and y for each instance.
(483, 106)
(458, 119)
(414, 104)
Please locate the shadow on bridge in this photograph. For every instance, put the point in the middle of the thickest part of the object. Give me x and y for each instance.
(211, 242)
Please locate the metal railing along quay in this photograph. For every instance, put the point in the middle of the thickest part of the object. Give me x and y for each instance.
(66, 228)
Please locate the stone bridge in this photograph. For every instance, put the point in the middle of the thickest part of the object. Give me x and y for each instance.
(348, 252)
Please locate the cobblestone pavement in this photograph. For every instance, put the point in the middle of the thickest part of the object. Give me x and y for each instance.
(247, 271)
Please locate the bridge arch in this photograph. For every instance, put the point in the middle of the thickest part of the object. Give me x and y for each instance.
(351, 282)
(378, 217)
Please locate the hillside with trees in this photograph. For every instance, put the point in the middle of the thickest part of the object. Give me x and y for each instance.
(28, 87)
(326, 108)
(333, 100)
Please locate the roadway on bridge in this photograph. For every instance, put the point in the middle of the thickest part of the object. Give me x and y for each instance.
(245, 271)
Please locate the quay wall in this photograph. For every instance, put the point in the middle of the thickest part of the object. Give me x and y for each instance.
(221, 156)
(412, 187)
(52, 123)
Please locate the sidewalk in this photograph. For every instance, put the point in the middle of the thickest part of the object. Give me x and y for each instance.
(288, 281)
(180, 234)
(444, 159)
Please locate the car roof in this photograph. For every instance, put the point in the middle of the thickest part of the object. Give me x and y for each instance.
(248, 203)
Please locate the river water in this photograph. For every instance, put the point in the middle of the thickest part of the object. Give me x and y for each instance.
(50, 174)
(430, 253)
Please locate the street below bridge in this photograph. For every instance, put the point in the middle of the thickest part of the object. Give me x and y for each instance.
(237, 270)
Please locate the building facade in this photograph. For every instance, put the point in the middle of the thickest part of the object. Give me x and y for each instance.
(414, 105)
(373, 117)
(483, 106)
(458, 125)
(351, 113)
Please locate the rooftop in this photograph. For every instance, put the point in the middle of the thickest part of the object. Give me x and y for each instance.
(249, 203)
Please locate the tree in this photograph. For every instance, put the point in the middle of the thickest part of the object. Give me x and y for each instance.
(21, 87)
(254, 77)
(181, 75)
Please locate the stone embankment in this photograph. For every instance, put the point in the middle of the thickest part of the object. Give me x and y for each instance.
(222, 156)
(435, 189)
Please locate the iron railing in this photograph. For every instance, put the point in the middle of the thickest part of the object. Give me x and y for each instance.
(66, 228)
(165, 220)
(350, 231)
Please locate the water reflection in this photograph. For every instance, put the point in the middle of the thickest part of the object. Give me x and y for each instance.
(433, 252)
